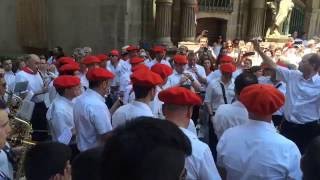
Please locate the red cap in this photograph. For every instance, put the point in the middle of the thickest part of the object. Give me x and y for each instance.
(114, 52)
(88, 60)
(180, 59)
(179, 96)
(226, 59)
(98, 74)
(145, 78)
(262, 99)
(102, 57)
(158, 49)
(69, 67)
(139, 67)
(65, 60)
(228, 68)
(66, 81)
(136, 60)
(163, 70)
(132, 48)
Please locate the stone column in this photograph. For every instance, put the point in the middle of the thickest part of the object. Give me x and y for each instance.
(163, 21)
(257, 15)
(188, 27)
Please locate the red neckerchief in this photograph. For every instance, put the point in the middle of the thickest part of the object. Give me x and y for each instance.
(28, 70)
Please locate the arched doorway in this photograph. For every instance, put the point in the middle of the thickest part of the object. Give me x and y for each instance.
(215, 26)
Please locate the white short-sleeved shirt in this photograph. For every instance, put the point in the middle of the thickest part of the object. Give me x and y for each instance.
(92, 119)
(35, 84)
(116, 71)
(200, 165)
(174, 79)
(130, 111)
(125, 66)
(154, 61)
(302, 96)
(60, 118)
(84, 81)
(228, 116)
(156, 105)
(217, 75)
(214, 93)
(255, 150)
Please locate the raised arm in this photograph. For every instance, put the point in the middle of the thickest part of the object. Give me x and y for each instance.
(267, 60)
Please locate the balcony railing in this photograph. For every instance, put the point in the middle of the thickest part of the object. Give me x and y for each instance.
(216, 5)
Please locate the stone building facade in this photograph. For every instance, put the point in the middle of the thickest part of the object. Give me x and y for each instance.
(38, 25)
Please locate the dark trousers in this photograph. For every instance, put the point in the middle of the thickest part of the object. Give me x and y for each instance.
(213, 140)
(39, 123)
(301, 134)
(195, 114)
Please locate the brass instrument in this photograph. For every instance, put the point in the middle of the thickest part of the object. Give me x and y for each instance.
(20, 136)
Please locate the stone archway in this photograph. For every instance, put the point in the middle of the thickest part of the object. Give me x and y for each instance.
(215, 26)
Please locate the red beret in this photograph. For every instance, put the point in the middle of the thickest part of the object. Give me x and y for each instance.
(158, 49)
(114, 52)
(262, 99)
(226, 59)
(139, 67)
(102, 57)
(97, 74)
(145, 78)
(228, 68)
(69, 67)
(65, 60)
(132, 48)
(163, 70)
(66, 81)
(179, 96)
(90, 60)
(136, 60)
(180, 59)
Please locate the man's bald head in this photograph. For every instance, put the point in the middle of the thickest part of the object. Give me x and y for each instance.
(32, 62)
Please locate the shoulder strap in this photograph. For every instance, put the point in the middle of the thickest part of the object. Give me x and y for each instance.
(278, 85)
(224, 93)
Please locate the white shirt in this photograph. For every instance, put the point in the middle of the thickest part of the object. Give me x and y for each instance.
(116, 71)
(84, 81)
(125, 66)
(200, 165)
(214, 94)
(302, 96)
(256, 151)
(229, 115)
(10, 79)
(154, 61)
(130, 111)
(175, 77)
(217, 75)
(35, 84)
(281, 86)
(6, 170)
(92, 119)
(60, 119)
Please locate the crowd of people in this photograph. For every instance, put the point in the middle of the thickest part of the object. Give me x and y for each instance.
(233, 110)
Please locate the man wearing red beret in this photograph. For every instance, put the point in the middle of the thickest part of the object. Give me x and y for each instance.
(144, 84)
(114, 66)
(255, 150)
(91, 115)
(103, 60)
(219, 91)
(302, 107)
(180, 77)
(234, 114)
(60, 113)
(178, 108)
(160, 56)
(217, 73)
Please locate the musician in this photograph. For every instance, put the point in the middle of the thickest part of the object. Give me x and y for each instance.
(6, 171)
(37, 87)
(91, 115)
(144, 84)
(60, 112)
